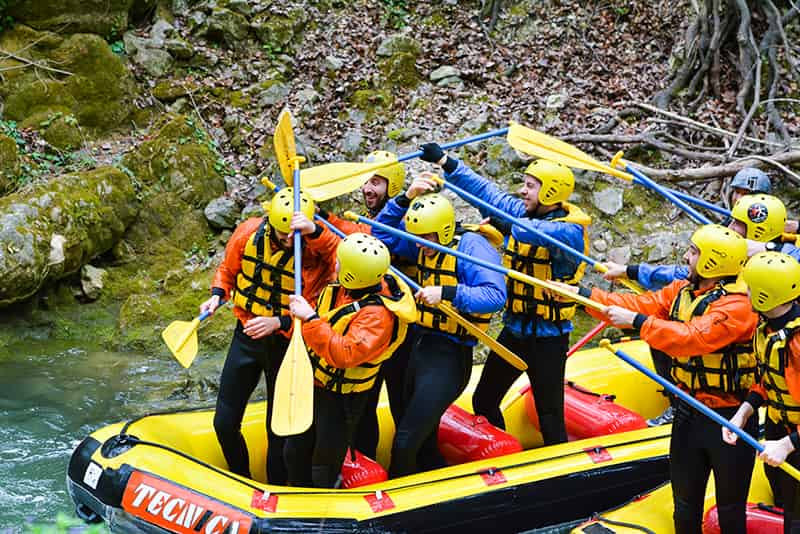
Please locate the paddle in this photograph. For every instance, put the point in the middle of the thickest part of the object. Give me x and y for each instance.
(599, 327)
(472, 199)
(545, 146)
(181, 338)
(293, 404)
(516, 275)
(448, 310)
(331, 180)
(697, 405)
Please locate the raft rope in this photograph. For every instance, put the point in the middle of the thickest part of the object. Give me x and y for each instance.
(126, 438)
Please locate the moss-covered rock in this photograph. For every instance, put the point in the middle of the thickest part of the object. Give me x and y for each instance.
(180, 158)
(400, 70)
(102, 17)
(92, 83)
(64, 133)
(51, 230)
(279, 32)
(171, 90)
(371, 99)
(9, 163)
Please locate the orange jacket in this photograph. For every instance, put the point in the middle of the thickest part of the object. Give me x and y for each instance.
(319, 265)
(368, 334)
(728, 320)
(348, 227)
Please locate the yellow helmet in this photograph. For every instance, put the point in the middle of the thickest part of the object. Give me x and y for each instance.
(723, 252)
(773, 279)
(281, 209)
(363, 260)
(557, 180)
(394, 174)
(432, 213)
(763, 215)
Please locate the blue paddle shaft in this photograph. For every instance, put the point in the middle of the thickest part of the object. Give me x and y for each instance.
(436, 246)
(298, 250)
(206, 314)
(641, 179)
(699, 202)
(411, 283)
(456, 144)
(517, 221)
(688, 399)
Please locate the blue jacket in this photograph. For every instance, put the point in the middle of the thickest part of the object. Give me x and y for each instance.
(791, 250)
(479, 290)
(564, 264)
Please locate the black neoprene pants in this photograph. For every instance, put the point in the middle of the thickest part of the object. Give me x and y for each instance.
(247, 359)
(393, 372)
(315, 457)
(546, 358)
(696, 449)
(785, 489)
(438, 371)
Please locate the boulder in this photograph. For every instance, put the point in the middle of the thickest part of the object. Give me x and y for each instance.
(399, 44)
(609, 200)
(100, 17)
(226, 26)
(9, 163)
(278, 32)
(92, 83)
(51, 230)
(222, 213)
(63, 133)
(400, 70)
(156, 62)
(443, 72)
(92, 281)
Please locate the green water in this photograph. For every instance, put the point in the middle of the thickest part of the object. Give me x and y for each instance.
(52, 396)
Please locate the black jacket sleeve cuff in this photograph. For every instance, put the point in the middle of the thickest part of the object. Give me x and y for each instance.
(795, 439)
(632, 272)
(218, 291)
(318, 228)
(639, 320)
(585, 292)
(402, 200)
(450, 165)
(755, 400)
(449, 293)
(286, 323)
(324, 214)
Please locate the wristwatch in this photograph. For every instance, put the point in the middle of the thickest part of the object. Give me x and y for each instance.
(772, 246)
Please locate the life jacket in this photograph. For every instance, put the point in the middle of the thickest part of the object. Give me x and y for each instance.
(399, 301)
(535, 261)
(266, 278)
(732, 370)
(440, 270)
(773, 365)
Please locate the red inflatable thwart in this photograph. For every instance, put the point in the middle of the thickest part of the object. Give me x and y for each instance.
(761, 518)
(464, 437)
(361, 471)
(588, 414)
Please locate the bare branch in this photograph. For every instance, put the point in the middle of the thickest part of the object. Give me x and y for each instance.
(729, 169)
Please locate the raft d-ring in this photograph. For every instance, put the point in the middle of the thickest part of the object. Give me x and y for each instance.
(378, 494)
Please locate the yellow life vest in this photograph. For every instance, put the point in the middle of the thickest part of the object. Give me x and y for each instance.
(535, 261)
(266, 279)
(440, 270)
(361, 377)
(733, 370)
(771, 352)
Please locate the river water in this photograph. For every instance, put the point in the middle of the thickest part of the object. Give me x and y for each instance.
(52, 396)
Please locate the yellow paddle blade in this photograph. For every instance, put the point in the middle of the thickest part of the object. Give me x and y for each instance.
(331, 180)
(547, 147)
(495, 346)
(181, 339)
(285, 149)
(293, 410)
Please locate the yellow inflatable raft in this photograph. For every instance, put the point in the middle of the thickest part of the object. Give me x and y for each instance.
(652, 512)
(166, 472)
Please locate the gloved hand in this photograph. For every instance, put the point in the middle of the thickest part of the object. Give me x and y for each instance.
(431, 152)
